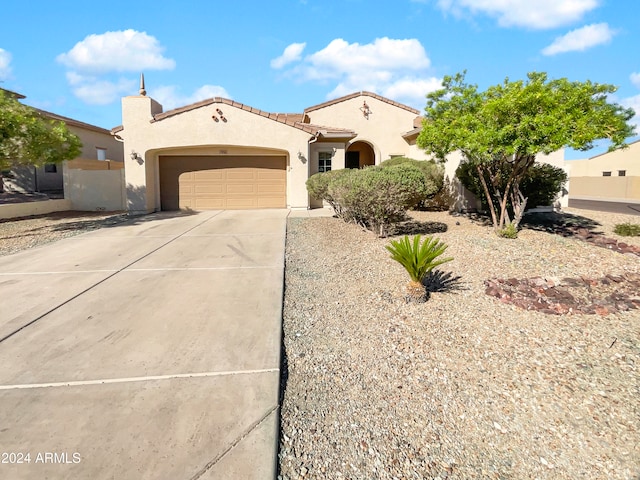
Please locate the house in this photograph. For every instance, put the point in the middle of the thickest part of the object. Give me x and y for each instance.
(97, 144)
(609, 181)
(219, 153)
(223, 154)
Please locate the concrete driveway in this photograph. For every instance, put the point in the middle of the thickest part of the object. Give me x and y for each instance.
(148, 350)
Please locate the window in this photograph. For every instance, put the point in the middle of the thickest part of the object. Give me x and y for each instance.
(51, 168)
(324, 161)
(622, 173)
(606, 174)
(101, 153)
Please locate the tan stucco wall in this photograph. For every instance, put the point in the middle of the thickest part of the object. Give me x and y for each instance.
(196, 131)
(627, 159)
(611, 189)
(91, 140)
(95, 190)
(15, 210)
(383, 129)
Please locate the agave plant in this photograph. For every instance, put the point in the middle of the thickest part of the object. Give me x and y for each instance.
(418, 259)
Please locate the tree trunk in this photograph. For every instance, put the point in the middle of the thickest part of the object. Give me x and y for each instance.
(1, 183)
(488, 195)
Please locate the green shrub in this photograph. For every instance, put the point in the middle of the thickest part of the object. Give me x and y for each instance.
(433, 174)
(376, 197)
(540, 185)
(509, 231)
(318, 187)
(627, 229)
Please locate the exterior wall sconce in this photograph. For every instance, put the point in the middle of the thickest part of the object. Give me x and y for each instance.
(136, 158)
(366, 111)
(302, 158)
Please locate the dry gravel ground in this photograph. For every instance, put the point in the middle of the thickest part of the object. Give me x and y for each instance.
(22, 233)
(462, 386)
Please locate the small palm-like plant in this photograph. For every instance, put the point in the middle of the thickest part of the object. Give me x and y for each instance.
(418, 259)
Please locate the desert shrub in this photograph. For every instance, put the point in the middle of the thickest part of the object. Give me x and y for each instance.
(433, 174)
(540, 185)
(509, 231)
(318, 187)
(377, 197)
(627, 229)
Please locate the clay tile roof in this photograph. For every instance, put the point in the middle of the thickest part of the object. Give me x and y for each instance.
(362, 94)
(71, 121)
(10, 93)
(293, 120)
(417, 122)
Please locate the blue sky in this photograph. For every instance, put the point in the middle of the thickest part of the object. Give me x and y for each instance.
(79, 58)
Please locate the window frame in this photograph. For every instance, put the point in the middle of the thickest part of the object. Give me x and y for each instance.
(606, 174)
(324, 161)
(100, 150)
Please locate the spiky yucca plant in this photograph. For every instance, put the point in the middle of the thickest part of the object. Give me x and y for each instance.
(418, 259)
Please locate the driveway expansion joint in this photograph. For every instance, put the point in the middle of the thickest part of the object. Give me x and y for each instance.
(91, 287)
(233, 444)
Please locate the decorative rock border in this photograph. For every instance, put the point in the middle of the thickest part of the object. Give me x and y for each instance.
(605, 242)
(610, 294)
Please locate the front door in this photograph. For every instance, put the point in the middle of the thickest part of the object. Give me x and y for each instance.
(353, 160)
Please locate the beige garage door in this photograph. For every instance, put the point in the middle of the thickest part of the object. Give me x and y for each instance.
(222, 182)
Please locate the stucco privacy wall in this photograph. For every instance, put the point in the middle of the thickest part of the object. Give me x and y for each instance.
(92, 140)
(195, 132)
(382, 129)
(587, 181)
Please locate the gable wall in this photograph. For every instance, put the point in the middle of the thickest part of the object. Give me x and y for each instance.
(383, 129)
(195, 132)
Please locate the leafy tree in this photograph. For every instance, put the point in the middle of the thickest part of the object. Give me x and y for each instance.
(503, 129)
(29, 138)
(540, 185)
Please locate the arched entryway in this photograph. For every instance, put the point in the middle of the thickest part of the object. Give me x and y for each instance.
(360, 154)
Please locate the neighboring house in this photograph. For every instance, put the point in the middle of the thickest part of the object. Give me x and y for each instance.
(97, 144)
(222, 154)
(609, 181)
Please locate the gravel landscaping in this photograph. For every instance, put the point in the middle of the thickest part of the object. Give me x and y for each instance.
(464, 385)
(18, 234)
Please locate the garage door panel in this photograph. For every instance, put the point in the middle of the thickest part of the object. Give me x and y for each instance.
(208, 204)
(217, 182)
(208, 189)
(241, 174)
(269, 189)
(270, 174)
(209, 175)
(241, 189)
(241, 203)
(269, 202)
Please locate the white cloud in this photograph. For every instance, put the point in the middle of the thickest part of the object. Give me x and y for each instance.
(635, 79)
(169, 96)
(538, 14)
(581, 39)
(96, 91)
(412, 91)
(95, 62)
(122, 51)
(5, 64)
(291, 54)
(396, 68)
(391, 67)
(633, 102)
